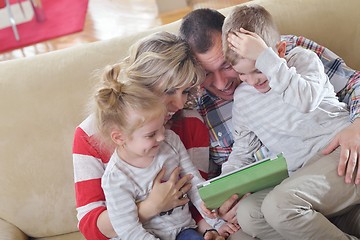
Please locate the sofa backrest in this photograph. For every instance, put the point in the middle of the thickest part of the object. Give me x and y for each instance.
(43, 99)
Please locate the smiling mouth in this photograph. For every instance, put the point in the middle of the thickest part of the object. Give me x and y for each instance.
(227, 88)
(169, 115)
(261, 84)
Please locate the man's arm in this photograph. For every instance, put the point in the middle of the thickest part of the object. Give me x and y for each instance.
(349, 138)
(346, 82)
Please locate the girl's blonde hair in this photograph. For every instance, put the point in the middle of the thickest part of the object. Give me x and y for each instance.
(253, 18)
(116, 100)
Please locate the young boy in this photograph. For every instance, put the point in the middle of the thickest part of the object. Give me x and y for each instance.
(288, 105)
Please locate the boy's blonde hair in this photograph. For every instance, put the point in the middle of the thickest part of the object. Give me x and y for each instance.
(253, 18)
(116, 100)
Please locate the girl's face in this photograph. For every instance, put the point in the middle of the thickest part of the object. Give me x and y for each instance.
(174, 100)
(143, 144)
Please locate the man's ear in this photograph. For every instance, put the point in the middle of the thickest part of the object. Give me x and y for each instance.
(117, 137)
(281, 46)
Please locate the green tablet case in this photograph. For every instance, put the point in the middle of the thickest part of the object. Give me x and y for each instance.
(252, 178)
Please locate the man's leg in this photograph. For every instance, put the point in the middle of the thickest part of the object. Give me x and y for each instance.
(298, 208)
(349, 222)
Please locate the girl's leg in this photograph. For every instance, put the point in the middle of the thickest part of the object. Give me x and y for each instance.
(298, 208)
(189, 234)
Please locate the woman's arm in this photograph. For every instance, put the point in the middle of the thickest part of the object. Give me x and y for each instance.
(89, 158)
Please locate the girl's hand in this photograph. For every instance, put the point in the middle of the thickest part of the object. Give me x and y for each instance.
(207, 212)
(165, 196)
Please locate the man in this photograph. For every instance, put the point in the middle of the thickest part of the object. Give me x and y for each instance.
(202, 29)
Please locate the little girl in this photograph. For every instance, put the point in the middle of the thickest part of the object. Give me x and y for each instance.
(132, 118)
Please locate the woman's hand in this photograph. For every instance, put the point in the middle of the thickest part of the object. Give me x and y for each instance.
(165, 195)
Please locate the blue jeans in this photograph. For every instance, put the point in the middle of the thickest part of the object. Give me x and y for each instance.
(189, 234)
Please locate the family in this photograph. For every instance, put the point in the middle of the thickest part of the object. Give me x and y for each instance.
(140, 153)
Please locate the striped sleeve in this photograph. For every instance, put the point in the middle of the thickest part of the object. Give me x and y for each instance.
(89, 160)
(195, 136)
(345, 80)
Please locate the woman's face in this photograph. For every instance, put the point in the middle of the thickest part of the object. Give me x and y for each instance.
(175, 100)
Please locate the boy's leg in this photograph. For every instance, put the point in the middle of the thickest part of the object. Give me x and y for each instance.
(298, 208)
(189, 234)
(251, 219)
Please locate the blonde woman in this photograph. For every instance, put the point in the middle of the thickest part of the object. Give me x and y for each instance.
(163, 64)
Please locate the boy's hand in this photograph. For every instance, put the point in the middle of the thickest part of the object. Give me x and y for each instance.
(349, 141)
(247, 44)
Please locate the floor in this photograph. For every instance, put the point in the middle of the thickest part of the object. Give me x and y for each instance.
(109, 18)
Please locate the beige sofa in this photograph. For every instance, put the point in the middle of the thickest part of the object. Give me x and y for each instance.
(43, 98)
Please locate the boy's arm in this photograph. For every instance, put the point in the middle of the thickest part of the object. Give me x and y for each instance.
(246, 143)
(300, 81)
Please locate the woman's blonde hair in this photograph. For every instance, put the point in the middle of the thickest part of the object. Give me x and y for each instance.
(161, 62)
(156, 64)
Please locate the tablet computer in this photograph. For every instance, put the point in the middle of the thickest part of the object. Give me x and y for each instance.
(251, 178)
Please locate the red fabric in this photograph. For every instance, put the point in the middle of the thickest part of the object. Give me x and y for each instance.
(2, 3)
(62, 17)
(88, 191)
(87, 145)
(92, 233)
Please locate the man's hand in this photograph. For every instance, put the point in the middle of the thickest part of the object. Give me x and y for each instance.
(349, 141)
(227, 210)
(228, 228)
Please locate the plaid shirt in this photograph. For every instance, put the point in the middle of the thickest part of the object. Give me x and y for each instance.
(217, 112)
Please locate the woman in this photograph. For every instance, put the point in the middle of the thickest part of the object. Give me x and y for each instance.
(162, 63)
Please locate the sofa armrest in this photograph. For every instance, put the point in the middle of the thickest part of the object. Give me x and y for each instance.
(10, 232)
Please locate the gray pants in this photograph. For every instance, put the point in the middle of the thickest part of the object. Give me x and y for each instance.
(313, 203)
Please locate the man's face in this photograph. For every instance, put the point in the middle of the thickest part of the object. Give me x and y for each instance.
(221, 79)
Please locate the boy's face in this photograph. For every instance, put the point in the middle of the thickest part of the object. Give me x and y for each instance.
(251, 75)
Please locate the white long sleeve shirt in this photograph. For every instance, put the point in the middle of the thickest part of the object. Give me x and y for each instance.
(125, 185)
(298, 116)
